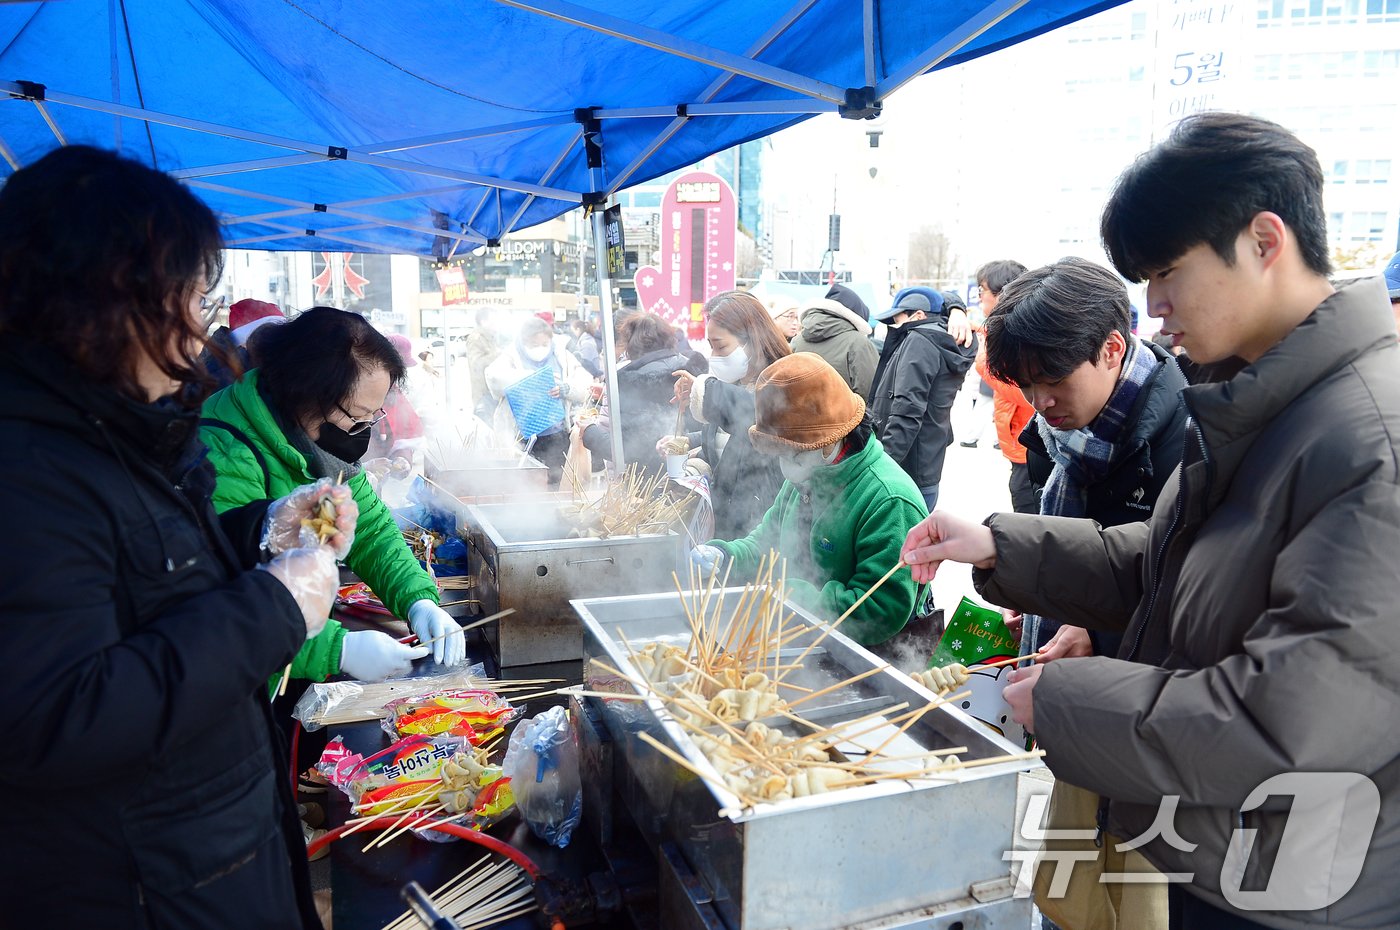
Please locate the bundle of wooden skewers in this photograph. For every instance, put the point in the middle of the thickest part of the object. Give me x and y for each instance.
(631, 505)
(481, 895)
(727, 689)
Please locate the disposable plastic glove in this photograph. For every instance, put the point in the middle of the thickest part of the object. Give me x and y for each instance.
(369, 655)
(707, 558)
(283, 529)
(311, 577)
(429, 621)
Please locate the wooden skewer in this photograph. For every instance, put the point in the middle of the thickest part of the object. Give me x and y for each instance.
(1009, 757)
(441, 488)
(850, 610)
(1033, 657)
(839, 685)
(890, 776)
(689, 766)
(413, 824)
(471, 626)
(282, 685)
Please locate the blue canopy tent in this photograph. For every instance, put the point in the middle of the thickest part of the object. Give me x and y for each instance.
(420, 127)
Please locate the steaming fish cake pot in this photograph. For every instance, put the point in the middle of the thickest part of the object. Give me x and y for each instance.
(529, 563)
(925, 854)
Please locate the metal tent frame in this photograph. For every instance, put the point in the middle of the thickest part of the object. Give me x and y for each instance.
(299, 223)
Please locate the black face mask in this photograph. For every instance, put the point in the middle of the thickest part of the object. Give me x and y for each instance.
(342, 445)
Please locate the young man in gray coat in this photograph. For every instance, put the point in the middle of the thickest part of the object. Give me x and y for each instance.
(1245, 735)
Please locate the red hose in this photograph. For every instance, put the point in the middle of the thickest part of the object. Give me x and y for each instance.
(451, 829)
(296, 747)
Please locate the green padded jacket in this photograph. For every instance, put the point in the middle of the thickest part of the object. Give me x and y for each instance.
(276, 468)
(840, 532)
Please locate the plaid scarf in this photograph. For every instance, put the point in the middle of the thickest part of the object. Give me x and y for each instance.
(1083, 456)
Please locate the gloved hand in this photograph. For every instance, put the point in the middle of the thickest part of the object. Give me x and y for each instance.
(709, 559)
(429, 621)
(369, 655)
(283, 529)
(311, 577)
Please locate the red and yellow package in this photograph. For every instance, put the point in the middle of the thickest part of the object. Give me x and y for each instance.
(476, 715)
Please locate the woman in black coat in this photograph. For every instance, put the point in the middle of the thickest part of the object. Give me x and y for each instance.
(145, 787)
(743, 341)
(646, 391)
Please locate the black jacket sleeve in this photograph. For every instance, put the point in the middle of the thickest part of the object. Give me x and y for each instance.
(76, 690)
(729, 407)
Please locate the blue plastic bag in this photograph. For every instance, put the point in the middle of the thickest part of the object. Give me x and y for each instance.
(542, 763)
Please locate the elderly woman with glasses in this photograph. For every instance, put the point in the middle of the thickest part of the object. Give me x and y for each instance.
(305, 412)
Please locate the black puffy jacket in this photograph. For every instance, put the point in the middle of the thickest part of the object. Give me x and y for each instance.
(745, 481)
(145, 786)
(921, 369)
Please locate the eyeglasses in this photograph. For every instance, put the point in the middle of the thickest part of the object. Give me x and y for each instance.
(359, 426)
(209, 308)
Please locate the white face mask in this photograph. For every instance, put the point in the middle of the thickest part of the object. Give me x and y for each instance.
(799, 468)
(537, 353)
(730, 368)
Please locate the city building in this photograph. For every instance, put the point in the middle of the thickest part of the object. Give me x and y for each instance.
(1013, 155)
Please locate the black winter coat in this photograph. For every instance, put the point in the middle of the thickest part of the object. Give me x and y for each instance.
(1129, 491)
(145, 787)
(745, 482)
(645, 388)
(921, 369)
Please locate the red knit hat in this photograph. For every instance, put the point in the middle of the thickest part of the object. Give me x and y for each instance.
(247, 310)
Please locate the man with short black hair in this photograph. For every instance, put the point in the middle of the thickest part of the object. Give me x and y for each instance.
(1259, 602)
(920, 370)
(1109, 418)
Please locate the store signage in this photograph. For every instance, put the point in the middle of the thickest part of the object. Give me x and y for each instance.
(617, 249)
(527, 249)
(453, 282)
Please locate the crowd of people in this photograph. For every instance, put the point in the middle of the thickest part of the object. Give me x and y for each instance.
(1195, 561)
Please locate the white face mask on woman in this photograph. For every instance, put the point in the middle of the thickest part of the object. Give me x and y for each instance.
(730, 368)
(799, 468)
(537, 353)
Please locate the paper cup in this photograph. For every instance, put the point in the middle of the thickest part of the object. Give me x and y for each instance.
(675, 465)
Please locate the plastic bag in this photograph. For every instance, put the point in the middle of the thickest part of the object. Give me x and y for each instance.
(442, 778)
(477, 714)
(542, 764)
(331, 702)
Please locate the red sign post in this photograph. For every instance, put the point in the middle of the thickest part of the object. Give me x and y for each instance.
(698, 219)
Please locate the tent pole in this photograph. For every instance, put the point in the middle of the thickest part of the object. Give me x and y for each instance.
(955, 39)
(600, 265)
(598, 182)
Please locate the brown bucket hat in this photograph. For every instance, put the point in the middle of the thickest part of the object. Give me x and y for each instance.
(802, 403)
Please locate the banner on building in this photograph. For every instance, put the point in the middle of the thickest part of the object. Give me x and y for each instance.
(698, 222)
(453, 282)
(1201, 60)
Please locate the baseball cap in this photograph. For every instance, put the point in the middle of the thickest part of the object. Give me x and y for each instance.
(911, 302)
(1392, 276)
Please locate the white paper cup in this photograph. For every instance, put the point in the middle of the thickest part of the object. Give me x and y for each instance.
(675, 465)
